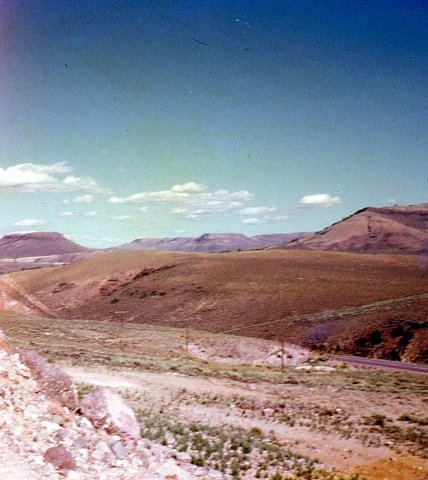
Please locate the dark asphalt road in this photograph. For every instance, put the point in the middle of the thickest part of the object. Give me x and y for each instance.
(383, 364)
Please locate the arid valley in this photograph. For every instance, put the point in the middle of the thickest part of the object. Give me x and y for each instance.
(231, 360)
(213, 240)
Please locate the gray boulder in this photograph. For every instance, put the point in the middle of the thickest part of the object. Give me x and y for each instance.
(107, 410)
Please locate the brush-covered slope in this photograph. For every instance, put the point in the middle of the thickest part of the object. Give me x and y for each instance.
(37, 244)
(401, 229)
(328, 300)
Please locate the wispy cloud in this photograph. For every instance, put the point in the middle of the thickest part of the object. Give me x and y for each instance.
(30, 222)
(252, 221)
(189, 187)
(257, 210)
(33, 178)
(122, 218)
(81, 184)
(86, 198)
(190, 199)
(70, 213)
(265, 220)
(89, 214)
(319, 200)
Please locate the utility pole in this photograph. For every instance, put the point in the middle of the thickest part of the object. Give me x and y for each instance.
(187, 340)
(282, 354)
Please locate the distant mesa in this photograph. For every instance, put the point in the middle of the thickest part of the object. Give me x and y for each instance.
(210, 242)
(37, 244)
(398, 229)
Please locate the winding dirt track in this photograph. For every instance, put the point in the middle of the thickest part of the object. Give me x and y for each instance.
(10, 288)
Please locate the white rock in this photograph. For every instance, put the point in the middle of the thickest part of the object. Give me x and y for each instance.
(72, 475)
(170, 469)
(51, 426)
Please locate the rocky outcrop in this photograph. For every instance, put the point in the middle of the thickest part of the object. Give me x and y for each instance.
(41, 439)
(107, 410)
(53, 382)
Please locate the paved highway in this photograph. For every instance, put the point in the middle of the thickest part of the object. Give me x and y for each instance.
(384, 364)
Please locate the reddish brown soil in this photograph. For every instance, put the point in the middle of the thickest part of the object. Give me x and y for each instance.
(321, 299)
(396, 468)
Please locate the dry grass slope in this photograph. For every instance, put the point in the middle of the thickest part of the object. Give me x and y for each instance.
(341, 302)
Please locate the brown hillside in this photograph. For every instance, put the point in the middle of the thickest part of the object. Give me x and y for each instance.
(389, 229)
(37, 244)
(334, 301)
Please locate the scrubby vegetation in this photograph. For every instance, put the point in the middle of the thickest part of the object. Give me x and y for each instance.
(240, 454)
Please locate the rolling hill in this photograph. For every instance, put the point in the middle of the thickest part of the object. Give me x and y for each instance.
(399, 229)
(372, 305)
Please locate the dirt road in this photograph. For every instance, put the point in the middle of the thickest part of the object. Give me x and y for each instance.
(379, 363)
(160, 389)
(15, 297)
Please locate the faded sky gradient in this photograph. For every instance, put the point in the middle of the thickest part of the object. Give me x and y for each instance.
(117, 123)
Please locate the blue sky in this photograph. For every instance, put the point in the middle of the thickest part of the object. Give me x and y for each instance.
(116, 122)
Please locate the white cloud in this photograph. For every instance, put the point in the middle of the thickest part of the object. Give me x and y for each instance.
(264, 220)
(81, 184)
(319, 200)
(144, 209)
(56, 168)
(179, 211)
(122, 217)
(64, 202)
(89, 214)
(86, 198)
(30, 222)
(191, 200)
(252, 221)
(77, 214)
(257, 210)
(26, 175)
(189, 187)
(189, 194)
(32, 177)
(282, 218)
(165, 196)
